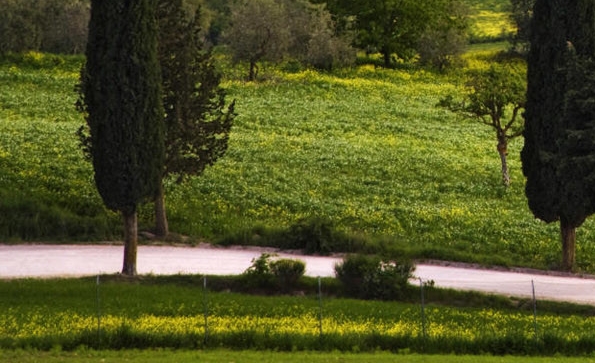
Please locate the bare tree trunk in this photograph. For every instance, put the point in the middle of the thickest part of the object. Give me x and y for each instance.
(568, 233)
(130, 243)
(503, 151)
(386, 56)
(253, 71)
(161, 225)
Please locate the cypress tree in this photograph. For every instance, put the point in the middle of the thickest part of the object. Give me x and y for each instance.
(121, 96)
(197, 125)
(559, 152)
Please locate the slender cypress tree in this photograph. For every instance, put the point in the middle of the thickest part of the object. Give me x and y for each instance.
(559, 153)
(197, 123)
(121, 96)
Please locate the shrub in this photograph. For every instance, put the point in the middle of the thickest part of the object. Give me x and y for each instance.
(317, 235)
(281, 273)
(287, 271)
(370, 277)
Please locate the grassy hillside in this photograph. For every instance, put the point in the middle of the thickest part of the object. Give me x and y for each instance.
(490, 19)
(365, 148)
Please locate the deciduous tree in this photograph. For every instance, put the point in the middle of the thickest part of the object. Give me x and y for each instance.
(495, 97)
(395, 27)
(259, 31)
(269, 30)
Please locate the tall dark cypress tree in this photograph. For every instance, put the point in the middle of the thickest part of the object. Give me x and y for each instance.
(197, 123)
(559, 152)
(121, 96)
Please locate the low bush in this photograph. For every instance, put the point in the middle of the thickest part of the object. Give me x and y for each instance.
(287, 271)
(370, 277)
(265, 272)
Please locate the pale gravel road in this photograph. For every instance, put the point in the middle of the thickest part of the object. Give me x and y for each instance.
(24, 261)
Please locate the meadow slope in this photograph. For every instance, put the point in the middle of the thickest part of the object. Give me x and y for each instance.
(365, 148)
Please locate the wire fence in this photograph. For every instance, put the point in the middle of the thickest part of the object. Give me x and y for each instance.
(424, 323)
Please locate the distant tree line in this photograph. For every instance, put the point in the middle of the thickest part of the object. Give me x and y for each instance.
(54, 26)
(318, 33)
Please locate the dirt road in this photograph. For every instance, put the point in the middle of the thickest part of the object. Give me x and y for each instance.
(21, 261)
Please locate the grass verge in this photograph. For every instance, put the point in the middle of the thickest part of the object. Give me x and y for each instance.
(177, 313)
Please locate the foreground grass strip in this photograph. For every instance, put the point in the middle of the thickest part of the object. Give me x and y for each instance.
(223, 356)
(64, 314)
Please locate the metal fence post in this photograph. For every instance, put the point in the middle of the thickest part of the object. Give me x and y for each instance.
(206, 310)
(320, 307)
(98, 297)
(534, 309)
(423, 309)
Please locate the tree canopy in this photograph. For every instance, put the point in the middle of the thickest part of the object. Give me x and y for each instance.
(495, 97)
(395, 27)
(270, 30)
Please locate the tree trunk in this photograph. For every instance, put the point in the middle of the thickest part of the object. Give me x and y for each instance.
(386, 55)
(568, 233)
(130, 243)
(253, 71)
(503, 151)
(161, 225)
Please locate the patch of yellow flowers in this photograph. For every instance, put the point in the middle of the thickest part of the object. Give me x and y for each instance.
(440, 324)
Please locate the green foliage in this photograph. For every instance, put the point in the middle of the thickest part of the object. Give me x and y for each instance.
(270, 30)
(521, 14)
(258, 32)
(47, 190)
(311, 235)
(394, 28)
(371, 277)
(57, 26)
(120, 96)
(559, 114)
(197, 123)
(315, 235)
(266, 272)
(495, 97)
(287, 271)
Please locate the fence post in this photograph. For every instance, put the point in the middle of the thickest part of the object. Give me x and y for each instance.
(98, 297)
(534, 309)
(205, 309)
(320, 308)
(423, 309)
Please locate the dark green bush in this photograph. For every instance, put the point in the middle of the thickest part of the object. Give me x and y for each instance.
(281, 273)
(287, 271)
(318, 235)
(371, 277)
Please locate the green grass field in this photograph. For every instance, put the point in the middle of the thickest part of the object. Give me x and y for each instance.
(366, 148)
(76, 315)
